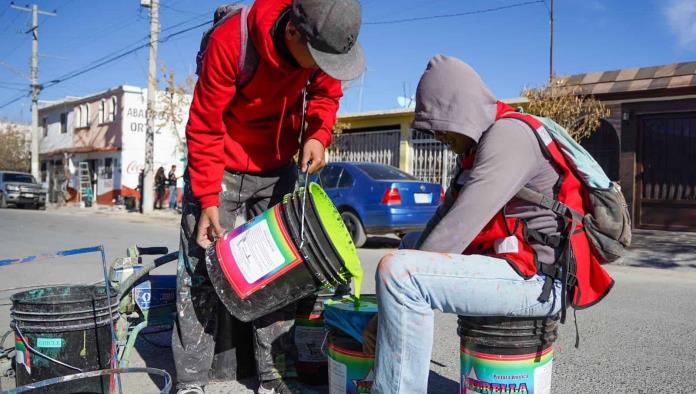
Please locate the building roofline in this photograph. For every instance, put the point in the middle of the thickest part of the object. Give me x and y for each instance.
(71, 100)
(409, 111)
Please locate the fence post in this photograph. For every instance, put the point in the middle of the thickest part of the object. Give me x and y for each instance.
(405, 154)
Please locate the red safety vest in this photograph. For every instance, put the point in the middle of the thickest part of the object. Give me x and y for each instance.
(508, 238)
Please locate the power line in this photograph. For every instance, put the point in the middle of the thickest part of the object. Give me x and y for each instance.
(106, 60)
(14, 100)
(476, 12)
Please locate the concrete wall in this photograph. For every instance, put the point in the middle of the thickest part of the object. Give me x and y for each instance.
(168, 150)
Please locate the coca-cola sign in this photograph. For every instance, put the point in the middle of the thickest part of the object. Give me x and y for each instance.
(134, 167)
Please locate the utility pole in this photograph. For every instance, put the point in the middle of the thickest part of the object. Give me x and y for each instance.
(148, 181)
(551, 45)
(35, 87)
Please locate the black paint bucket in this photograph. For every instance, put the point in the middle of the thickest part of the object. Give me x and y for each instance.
(506, 355)
(264, 264)
(61, 327)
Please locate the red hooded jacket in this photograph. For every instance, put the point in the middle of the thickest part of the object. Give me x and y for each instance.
(255, 128)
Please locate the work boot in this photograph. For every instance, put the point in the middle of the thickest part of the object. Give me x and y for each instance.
(192, 389)
(279, 386)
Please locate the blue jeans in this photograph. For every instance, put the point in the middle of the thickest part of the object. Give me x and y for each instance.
(172, 197)
(411, 284)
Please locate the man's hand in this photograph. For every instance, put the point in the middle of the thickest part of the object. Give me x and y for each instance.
(313, 150)
(370, 336)
(208, 226)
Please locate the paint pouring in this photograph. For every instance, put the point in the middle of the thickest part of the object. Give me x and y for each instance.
(270, 261)
(63, 330)
(350, 370)
(506, 355)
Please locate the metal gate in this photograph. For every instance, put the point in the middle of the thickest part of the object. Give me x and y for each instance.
(374, 147)
(667, 179)
(603, 145)
(431, 161)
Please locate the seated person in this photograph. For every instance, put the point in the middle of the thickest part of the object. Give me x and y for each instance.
(477, 255)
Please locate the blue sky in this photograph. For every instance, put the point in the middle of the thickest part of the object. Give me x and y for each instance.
(509, 47)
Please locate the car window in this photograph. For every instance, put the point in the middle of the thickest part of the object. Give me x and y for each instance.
(24, 178)
(346, 179)
(329, 176)
(381, 172)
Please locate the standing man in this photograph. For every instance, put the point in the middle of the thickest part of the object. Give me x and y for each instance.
(171, 180)
(241, 143)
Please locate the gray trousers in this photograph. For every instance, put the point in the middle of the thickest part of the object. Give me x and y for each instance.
(202, 320)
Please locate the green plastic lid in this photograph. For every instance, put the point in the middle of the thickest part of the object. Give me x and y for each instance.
(337, 233)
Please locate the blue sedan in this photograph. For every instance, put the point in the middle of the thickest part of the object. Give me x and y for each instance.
(379, 199)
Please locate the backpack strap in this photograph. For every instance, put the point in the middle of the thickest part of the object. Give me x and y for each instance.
(544, 201)
(248, 57)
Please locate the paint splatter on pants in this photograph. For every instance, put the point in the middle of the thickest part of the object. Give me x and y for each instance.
(201, 317)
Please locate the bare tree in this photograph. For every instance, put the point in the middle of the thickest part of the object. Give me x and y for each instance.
(176, 98)
(580, 114)
(14, 149)
(338, 144)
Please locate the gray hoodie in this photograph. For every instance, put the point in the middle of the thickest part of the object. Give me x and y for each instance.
(452, 97)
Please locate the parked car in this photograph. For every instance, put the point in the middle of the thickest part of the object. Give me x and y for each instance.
(22, 190)
(379, 199)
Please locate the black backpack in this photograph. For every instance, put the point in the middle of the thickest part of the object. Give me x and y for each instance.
(248, 57)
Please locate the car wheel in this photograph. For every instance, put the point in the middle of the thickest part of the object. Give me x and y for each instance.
(355, 228)
(3, 202)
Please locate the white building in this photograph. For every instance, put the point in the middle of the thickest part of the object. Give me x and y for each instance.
(107, 132)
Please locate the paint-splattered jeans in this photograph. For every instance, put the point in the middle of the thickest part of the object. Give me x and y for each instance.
(202, 318)
(411, 284)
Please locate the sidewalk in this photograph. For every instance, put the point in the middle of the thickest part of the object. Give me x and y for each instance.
(117, 212)
(662, 250)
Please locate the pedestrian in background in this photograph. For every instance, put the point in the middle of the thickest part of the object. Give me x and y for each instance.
(171, 181)
(141, 193)
(160, 185)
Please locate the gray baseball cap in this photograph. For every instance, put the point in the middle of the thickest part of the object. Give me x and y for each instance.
(331, 28)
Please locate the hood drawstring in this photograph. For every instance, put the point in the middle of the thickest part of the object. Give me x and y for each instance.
(280, 127)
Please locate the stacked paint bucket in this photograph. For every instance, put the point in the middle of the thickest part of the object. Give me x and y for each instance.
(506, 355)
(283, 255)
(350, 370)
(63, 330)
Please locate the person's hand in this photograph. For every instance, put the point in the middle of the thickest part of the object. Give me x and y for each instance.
(208, 226)
(313, 150)
(370, 336)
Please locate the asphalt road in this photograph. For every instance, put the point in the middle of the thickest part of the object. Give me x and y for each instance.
(641, 339)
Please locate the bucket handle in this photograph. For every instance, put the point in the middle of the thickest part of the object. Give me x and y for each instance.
(93, 374)
(31, 349)
(304, 199)
(323, 343)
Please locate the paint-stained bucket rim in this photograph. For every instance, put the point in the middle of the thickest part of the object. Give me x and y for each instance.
(335, 229)
(88, 293)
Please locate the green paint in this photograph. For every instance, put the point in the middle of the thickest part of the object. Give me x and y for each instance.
(49, 342)
(338, 234)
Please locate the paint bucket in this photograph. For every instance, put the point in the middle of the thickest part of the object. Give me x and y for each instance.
(263, 265)
(350, 370)
(69, 324)
(310, 333)
(506, 355)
